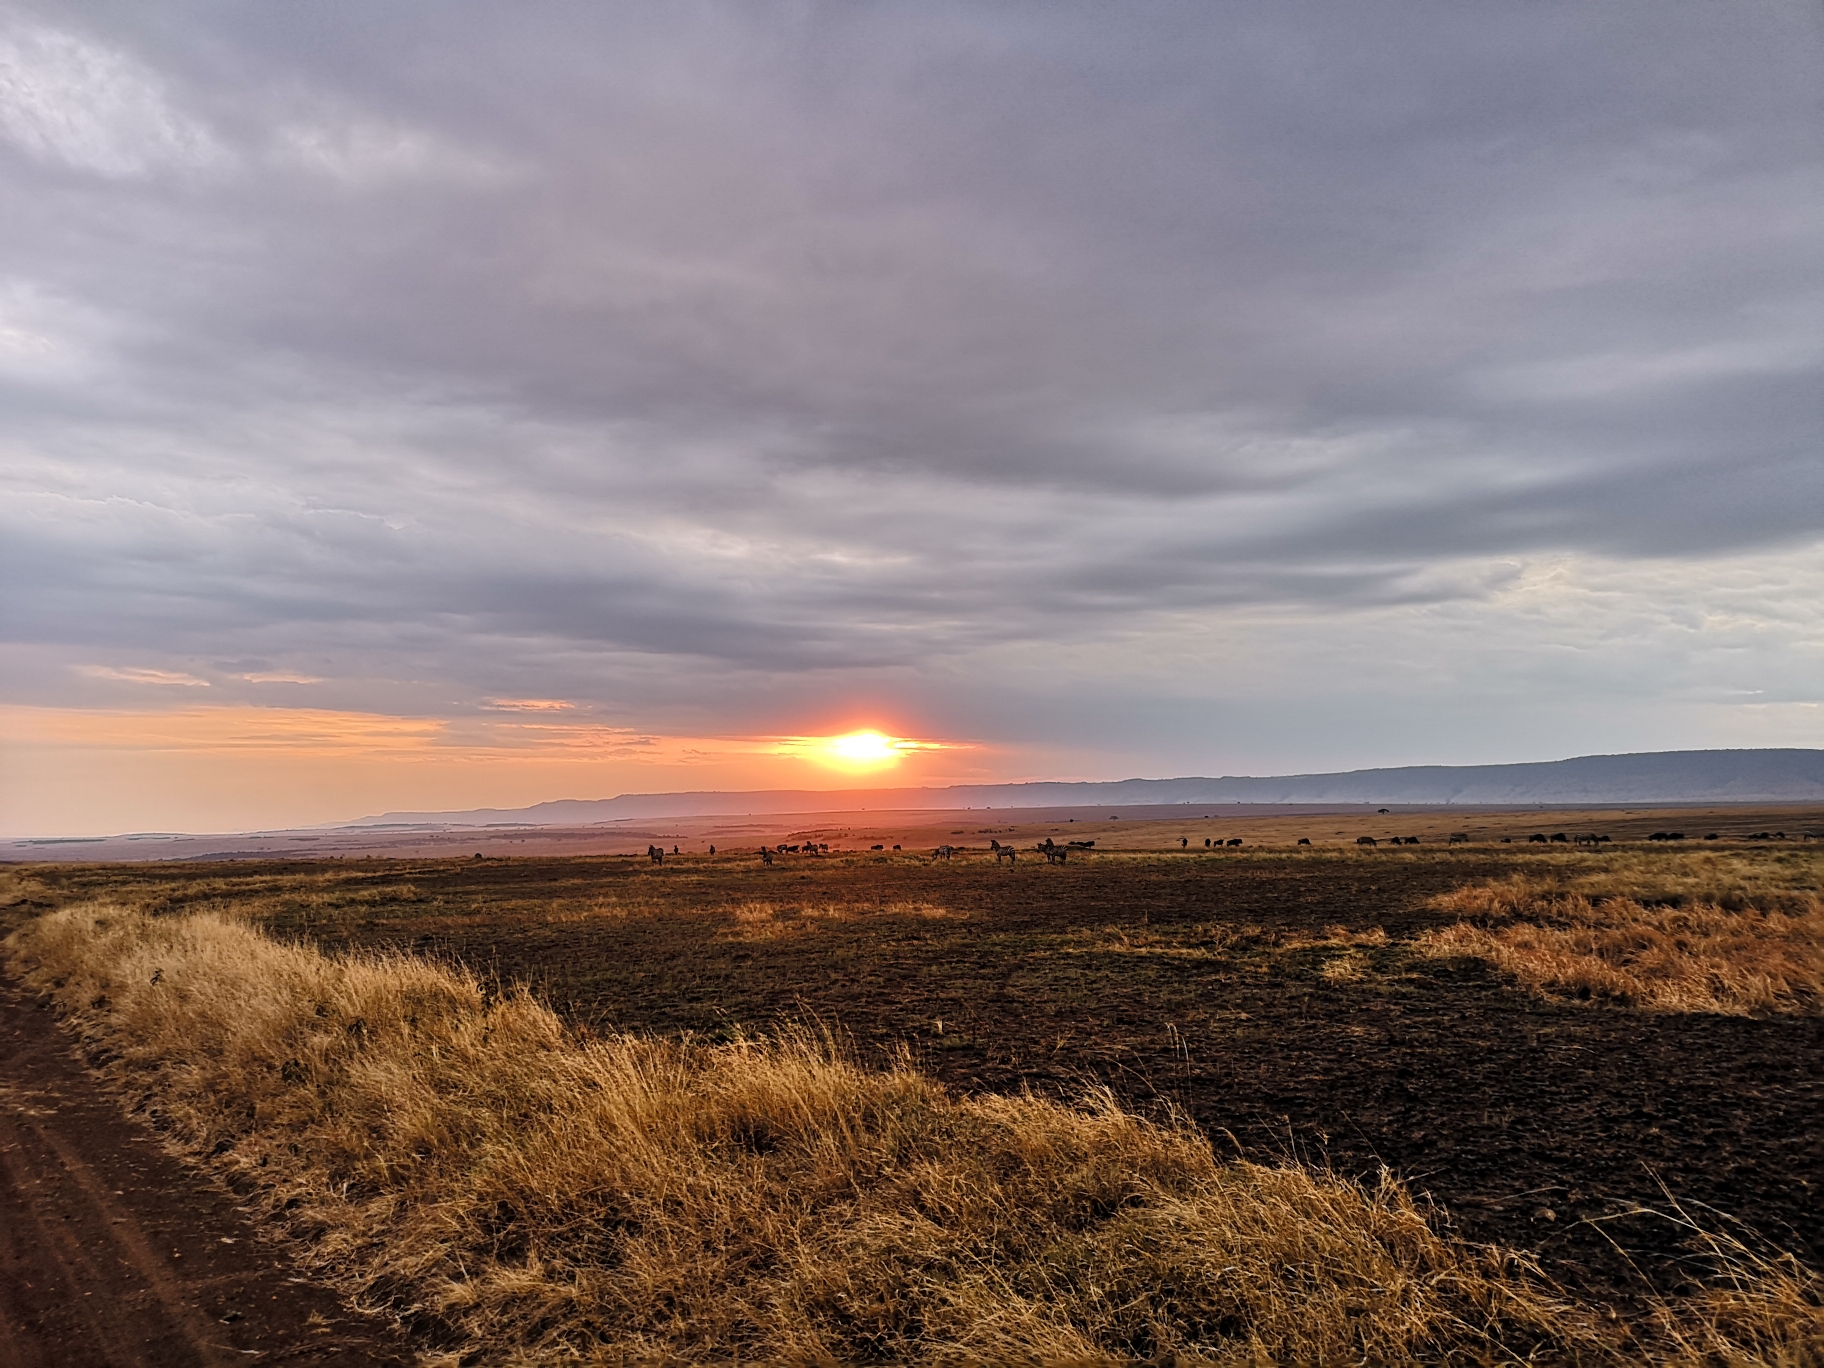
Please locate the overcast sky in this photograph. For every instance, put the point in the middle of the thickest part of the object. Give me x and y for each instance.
(1106, 390)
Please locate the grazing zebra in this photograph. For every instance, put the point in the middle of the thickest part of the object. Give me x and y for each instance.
(1002, 852)
(1055, 854)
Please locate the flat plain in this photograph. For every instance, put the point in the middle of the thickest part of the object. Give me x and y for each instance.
(1285, 998)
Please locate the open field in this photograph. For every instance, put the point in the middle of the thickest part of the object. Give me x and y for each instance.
(1125, 828)
(1305, 1004)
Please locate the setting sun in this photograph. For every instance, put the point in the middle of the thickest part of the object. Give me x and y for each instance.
(864, 748)
(856, 750)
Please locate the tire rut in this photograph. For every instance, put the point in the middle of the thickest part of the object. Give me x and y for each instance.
(113, 1254)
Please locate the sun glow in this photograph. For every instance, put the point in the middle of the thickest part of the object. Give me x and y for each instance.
(865, 748)
(856, 750)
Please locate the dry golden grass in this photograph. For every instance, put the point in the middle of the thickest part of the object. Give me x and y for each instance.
(443, 1148)
(755, 921)
(1698, 951)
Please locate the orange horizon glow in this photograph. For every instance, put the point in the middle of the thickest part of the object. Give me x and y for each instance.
(237, 767)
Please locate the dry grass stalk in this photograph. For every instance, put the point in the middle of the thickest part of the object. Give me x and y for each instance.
(445, 1149)
(553, 1197)
(1724, 955)
(770, 921)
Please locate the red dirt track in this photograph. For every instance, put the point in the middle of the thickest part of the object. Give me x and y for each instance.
(113, 1253)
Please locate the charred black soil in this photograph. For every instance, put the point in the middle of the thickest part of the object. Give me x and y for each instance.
(1255, 991)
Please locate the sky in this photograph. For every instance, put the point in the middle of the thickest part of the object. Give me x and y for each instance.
(446, 405)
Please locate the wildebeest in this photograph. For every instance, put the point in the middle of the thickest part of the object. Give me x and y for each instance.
(1235, 840)
(1304, 840)
(1366, 840)
(875, 847)
(1183, 841)
(1082, 845)
(1559, 838)
(1206, 842)
(1537, 838)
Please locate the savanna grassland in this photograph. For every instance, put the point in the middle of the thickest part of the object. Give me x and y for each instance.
(870, 1105)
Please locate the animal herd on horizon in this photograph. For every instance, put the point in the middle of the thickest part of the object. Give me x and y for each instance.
(1055, 853)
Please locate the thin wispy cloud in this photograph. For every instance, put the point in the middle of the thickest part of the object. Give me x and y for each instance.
(135, 675)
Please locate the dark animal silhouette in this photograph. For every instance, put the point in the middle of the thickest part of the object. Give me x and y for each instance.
(1366, 840)
(1304, 840)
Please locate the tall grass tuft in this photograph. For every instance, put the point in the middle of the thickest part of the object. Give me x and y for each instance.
(1723, 953)
(442, 1149)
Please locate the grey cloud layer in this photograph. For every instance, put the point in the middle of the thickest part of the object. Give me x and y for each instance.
(502, 350)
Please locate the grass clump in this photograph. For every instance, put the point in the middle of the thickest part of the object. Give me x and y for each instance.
(449, 1150)
(1698, 948)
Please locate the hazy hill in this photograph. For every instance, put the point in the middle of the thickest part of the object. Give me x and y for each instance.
(1703, 776)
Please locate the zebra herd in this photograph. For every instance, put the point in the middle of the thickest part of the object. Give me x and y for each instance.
(1055, 853)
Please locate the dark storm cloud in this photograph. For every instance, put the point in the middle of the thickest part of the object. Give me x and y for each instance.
(494, 346)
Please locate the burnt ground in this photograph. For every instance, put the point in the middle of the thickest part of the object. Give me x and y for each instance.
(1195, 981)
(114, 1253)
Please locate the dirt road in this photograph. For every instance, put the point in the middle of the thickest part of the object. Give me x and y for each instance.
(112, 1253)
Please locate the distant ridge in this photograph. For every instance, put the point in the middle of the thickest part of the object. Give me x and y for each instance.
(1698, 776)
